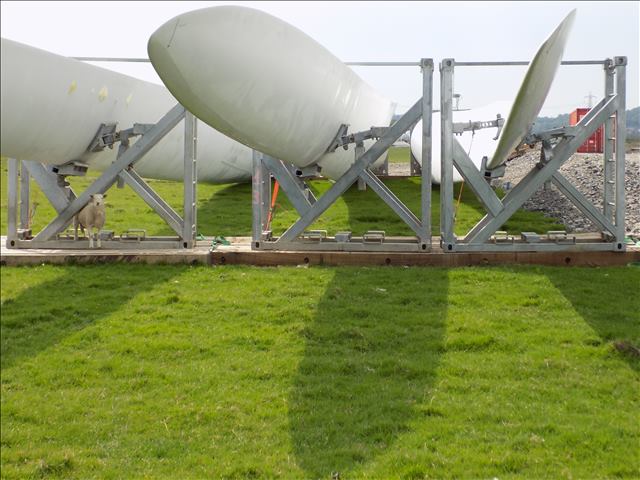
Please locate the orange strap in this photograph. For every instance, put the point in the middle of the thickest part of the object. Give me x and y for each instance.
(274, 197)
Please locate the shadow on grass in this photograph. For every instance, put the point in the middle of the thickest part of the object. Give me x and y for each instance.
(609, 301)
(370, 360)
(227, 212)
(44, 315)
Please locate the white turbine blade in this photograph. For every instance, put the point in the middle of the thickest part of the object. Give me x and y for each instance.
(266, 84)
(533, 91)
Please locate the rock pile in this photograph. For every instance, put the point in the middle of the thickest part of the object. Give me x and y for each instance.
(585, 172)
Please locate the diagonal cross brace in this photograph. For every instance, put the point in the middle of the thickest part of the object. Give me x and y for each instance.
(290, 184)
(582, 203)
(48, 183)
(394, 203)
(346, 180)
(151, 198)
(475, 180)
(538, 176)
(110, 175)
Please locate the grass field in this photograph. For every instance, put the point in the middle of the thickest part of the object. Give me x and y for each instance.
(226, 209)
(129, 371)
(238, 372)
(399, 155)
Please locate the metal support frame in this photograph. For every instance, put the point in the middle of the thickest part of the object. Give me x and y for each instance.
(309, 210)
(553, 156)
(67, 204)
(558, 146)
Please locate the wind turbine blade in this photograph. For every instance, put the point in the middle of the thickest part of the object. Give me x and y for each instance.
(533, 91)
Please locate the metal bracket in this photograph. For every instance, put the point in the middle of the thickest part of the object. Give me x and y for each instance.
(105, 137)
(548, 135)
(336, 142)
(471, 126)
(343, 237)
(314, 235)
(108, 135)
(71, 169)
(310, 171)
(373, 236)
(344, 139)
(489, 175)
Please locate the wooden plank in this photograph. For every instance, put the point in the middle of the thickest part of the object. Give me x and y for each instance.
(67, 258)
(435, 259)
(240, 253)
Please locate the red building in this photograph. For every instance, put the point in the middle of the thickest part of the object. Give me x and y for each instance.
(595, 143)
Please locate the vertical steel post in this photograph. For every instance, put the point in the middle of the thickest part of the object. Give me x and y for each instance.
(621, 137)
(12, 202)
(358, 152)
(190, 181)
(414, 167)
(265, 185)
(257, 202)
(609, 162)
(447, 239)
(24, 196)
(427, 118)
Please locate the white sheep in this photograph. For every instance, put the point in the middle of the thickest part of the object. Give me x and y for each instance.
(91, 216)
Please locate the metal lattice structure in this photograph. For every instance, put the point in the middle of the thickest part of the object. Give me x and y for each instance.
(52, 181)
(558, 146)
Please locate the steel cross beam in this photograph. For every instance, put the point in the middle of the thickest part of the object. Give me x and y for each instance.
(110, 175)
(476, 181)
(290, 184)
(582, 203)
(151, 198)
(394, 203)
(58, 196)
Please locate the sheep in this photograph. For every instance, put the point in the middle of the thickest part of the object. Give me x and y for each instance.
(90, 217)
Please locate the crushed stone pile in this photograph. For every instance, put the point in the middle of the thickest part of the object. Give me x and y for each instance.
(585, 172)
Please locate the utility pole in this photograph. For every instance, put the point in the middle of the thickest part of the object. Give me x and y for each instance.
(590, 97)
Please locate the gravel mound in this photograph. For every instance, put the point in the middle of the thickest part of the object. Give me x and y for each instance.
(585, 172)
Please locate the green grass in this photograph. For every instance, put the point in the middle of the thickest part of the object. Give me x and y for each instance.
(129, 371)
(226, 209)
(134, 371)
(399, 155)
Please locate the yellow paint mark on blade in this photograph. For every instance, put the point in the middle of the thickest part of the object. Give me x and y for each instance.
(72, 87)
(103, 94)
(129, 98)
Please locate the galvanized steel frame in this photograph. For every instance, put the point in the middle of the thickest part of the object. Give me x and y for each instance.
(264, 167)
(479, 238)
(67, 204)
(610, 220)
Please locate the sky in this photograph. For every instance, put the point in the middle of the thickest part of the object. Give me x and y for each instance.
(374, 31)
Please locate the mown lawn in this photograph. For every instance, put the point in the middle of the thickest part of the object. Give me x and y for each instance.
(129, 371)
(399, 155)
(226, 209)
